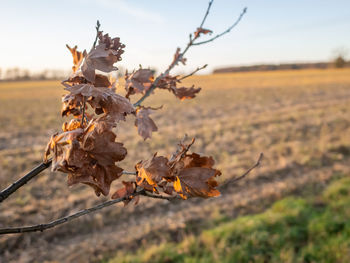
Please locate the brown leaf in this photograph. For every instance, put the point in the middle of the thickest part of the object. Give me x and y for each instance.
(196, 182)
(97, 176)
(115, 106)
(77, 57)
(145, 125)
(102, 58)
(100, 145)
(178, 57)
(150, 172)
(71, 104)
(200, 31)
(186, 93)
(138, 81)
(127, 190)
(195, 176)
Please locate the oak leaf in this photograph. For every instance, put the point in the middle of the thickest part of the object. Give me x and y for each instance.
(101, 145)
(200, 31)
(152, 171)
(77, 57)
(186, 93)
(102, 58)
(145, 125)
(126, 191)
(138, 81)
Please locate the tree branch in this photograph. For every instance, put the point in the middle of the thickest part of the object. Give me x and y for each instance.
(181, 55)
(225, 32)
(206, 13)
(27, 177)
(42, 227)
(193, 72)
(233, 180)
(97, 30)
(62, 220)
(23, 180)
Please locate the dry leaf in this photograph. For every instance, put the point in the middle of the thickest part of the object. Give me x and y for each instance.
(145, 125)
(202, 31)
(138, 81)
(77, 57)
(186, 93)
(102, 58)
(150, 172)
(127, 190)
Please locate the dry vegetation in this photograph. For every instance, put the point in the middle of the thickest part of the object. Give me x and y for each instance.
(299, 119)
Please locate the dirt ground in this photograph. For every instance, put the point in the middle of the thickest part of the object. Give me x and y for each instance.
(300, 120)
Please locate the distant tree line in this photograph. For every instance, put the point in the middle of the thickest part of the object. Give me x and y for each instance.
(338, 62)
(20, 74)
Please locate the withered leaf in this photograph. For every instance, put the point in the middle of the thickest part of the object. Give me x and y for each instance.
(150, 172)
(186, 93)
(101, 145)
(145, 125)
(196, 182)
(200, 31)
(71, 104)
(127, 190)
(138, 81)
(97, 176)
(115, 106)
(102, 58)
(77, 57)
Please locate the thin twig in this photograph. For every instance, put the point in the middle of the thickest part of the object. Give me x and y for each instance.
(97, 33)
(233, 180)
(83, 112)
(169, 198)
(206, 13)
(42, 227)
(225, 32)
(193, 72)
(23, 180)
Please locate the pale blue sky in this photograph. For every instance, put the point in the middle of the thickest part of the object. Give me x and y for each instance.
(34, 33)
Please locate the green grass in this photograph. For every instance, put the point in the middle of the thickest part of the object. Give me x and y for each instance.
(294, 229)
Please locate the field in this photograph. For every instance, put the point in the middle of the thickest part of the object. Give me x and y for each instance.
(300, 120)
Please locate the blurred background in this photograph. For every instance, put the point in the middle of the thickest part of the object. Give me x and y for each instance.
(278, 83)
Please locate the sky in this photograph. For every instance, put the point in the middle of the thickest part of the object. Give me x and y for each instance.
(34, 32)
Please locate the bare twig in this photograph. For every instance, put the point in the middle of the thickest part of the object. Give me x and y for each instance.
(169, 198)
(206, 13)
(27, 177)
(23, 180)
(193, 72)
(97, 33)
(83, 112)
(233, 180)
(225, 32)
(62, 220)
(42, 227)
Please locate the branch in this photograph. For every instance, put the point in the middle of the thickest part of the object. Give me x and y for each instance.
(97, 30)
(62, 220)
(194, 72)
(23, 180)
(233, 180)
(42, 227)
(225, 32)
(181, 55)
(207, 13)
(27, 177)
